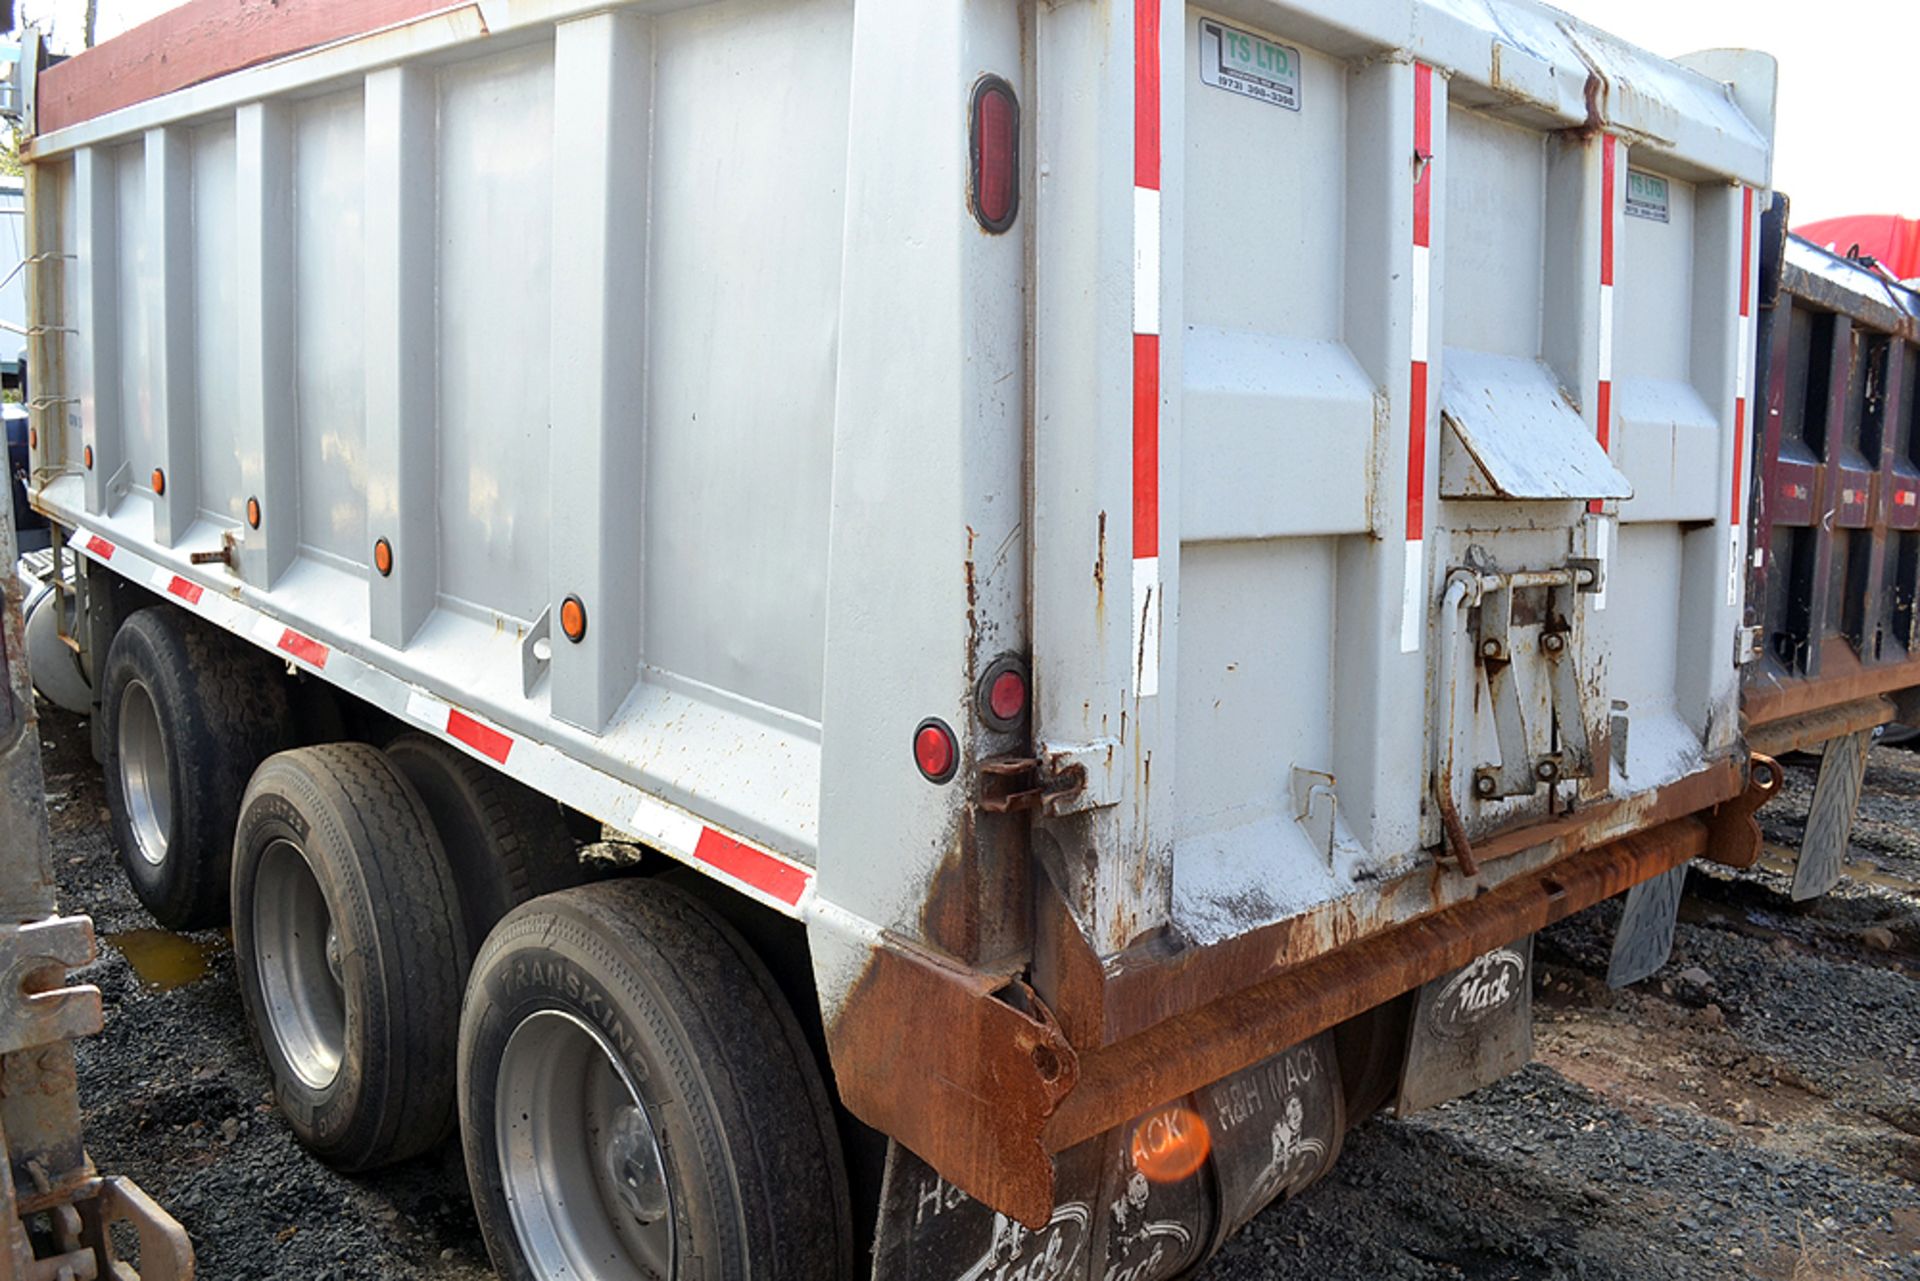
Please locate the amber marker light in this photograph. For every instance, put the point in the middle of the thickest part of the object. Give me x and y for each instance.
(1171, 1144)
(573, 619)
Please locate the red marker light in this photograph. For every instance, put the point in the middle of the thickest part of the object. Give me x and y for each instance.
(996, 154)
(1002, 695)
(935, 751)
(1007, 697)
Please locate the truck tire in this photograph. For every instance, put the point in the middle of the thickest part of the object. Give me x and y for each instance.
(703, 1148)
(505, 842)
(347, 938)
(187, 715)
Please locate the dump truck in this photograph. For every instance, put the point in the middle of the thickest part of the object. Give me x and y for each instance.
(1835, 516)
(932, 639)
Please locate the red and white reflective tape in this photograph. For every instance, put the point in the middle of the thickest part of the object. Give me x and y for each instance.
(674, 828)
(1146, 348)
(462, 727)
(1603, 390)
(297, 645)
(1736, 533)
(1413, 602)
(761, 874)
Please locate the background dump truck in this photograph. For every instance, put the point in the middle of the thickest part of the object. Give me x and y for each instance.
(1835, 516)
(1091, 571)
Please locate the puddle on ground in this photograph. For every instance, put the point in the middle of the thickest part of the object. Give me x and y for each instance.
(163, 961)
(1782, 859)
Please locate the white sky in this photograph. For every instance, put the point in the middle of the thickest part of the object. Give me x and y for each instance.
(1844, 138)
(1845, 125)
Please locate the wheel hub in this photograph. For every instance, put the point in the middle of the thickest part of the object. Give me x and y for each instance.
(145, 773)
(580, 1157)
(333, 956)
(632, 1165)
(297, 957)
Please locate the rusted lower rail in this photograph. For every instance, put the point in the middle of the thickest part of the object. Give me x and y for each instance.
(45, 1170)
(976, 1075)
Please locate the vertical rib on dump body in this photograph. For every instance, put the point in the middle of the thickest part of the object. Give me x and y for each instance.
(1344, 438)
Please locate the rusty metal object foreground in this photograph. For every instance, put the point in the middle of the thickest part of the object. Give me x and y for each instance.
(43, 1161)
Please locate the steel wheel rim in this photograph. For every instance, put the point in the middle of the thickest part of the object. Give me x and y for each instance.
(297, 957)
(146, 774)
(580, 1159)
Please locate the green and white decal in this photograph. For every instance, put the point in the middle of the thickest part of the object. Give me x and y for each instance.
(1254, 66)
(1647, 196)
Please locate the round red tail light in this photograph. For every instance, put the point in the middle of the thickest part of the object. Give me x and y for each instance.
(1008, 697)
(935, 750)
(1002, 694)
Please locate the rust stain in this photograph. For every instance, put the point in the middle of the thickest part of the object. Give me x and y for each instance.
(950, 913)
(973, 613)
(1100, 574)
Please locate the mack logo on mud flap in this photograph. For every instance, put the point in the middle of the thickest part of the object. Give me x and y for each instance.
(1016, 1254)
(1486, 986)
(1140, 1246)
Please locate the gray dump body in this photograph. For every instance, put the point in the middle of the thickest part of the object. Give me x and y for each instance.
(1346, 435)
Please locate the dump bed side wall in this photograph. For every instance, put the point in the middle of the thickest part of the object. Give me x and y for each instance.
(546, 305)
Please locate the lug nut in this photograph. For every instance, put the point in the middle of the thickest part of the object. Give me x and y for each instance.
(1546, 771)
(1484, 785)
(1553, 642)
(1490, 648)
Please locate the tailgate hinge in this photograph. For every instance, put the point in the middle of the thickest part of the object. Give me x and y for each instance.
(1059, 781)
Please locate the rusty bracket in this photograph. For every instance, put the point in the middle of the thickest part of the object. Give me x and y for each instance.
(35, 1008)
(1009, 784)
(81, 1224)
(165, 1252)
(1733, 833)
(961, 1066)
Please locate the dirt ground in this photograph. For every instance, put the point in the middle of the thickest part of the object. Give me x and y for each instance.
(1751, 1111)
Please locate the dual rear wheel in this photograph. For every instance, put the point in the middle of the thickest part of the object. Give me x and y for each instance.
(634, 1095)
(635, 1098)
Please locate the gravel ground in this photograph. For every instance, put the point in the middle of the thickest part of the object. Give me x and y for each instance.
(1751, 1111)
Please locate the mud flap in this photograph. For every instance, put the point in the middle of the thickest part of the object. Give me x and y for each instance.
(1268, 1131)
(1836, 798)
(1644, 938)
(1470, 1028)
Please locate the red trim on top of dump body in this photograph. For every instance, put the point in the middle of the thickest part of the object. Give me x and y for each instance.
(201, 40)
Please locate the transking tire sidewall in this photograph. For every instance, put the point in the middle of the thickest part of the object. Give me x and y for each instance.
(321, 1118)
(549, 956)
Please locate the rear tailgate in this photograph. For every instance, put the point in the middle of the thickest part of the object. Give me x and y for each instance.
(1389, 400)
